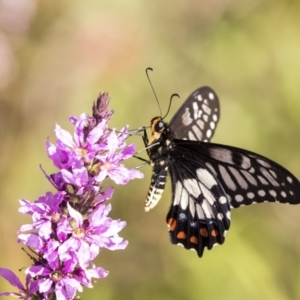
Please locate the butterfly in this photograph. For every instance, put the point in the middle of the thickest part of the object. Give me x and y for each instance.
(207, 179)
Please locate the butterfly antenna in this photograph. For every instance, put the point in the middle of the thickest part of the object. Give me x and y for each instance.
(171, 99)
(147, 70)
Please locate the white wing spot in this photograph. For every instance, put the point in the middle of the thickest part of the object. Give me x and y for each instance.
(245, 162)
(192, 206)
(195, 106)
(263, 163)
(197, 131)
(239, 198)
(273, 193)
(207, 194)
(208, 133)
(220, 216)
(283, 194)
(206, 178)
(178, 192)
(211, 96)
(252, 170)
(289, 179)
(228, 217)
(262, 180)
(223, 155)
(261, 193)
(200, 123)
(207, 209)
(196, 109)
(205, 118)
(269, 177)
(223, 200)
(250, 195)
(212, 125)
(241, 181)
(192, 136)
(192, 186)
(211, 168)
(227, 178)
(215, 118)
(184, 199)
(206, 109)
(200, 212)
(273, 173)
(199, 97)
(186, 117)
(249, 177)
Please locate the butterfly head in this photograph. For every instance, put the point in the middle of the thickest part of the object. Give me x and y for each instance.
(158, 127)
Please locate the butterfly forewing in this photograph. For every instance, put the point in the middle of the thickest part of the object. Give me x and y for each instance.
(198, 116)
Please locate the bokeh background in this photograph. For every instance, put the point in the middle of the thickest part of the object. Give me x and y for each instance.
(56, 56)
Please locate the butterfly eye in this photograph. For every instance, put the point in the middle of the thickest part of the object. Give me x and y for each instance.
(159, 126)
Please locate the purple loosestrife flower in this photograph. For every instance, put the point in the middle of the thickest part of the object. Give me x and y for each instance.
(71, 226)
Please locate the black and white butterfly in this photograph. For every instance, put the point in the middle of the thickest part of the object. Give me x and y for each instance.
(208, 179)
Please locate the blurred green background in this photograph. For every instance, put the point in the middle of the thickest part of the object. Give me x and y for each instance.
(56, 56)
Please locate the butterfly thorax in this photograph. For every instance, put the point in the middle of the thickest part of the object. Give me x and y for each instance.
(160, 143)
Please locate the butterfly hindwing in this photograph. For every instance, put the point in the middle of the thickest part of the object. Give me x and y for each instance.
(199, 215)
(246, 177)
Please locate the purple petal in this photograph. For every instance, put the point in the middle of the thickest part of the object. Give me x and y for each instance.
(127, 152)
(26, 227)
(37, 270)
(122, 136)
(73, 119)
(121, 175)
(96, 133)
(45, 285)
(64, 136)
(112, 143)
(11, 278)
(97, 273)
(133, 174)
(15, 295)
(79, 130)
(106, 195)
(75, 214)
(31, 240)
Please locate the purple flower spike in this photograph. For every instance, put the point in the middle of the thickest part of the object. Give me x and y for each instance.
(70, 228)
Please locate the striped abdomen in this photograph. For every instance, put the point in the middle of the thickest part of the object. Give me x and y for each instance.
(157, 186)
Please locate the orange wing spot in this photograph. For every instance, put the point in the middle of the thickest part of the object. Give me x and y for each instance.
(204, 232)
(181, 235)
(194, 240)
(214, 233)
(171, 224)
